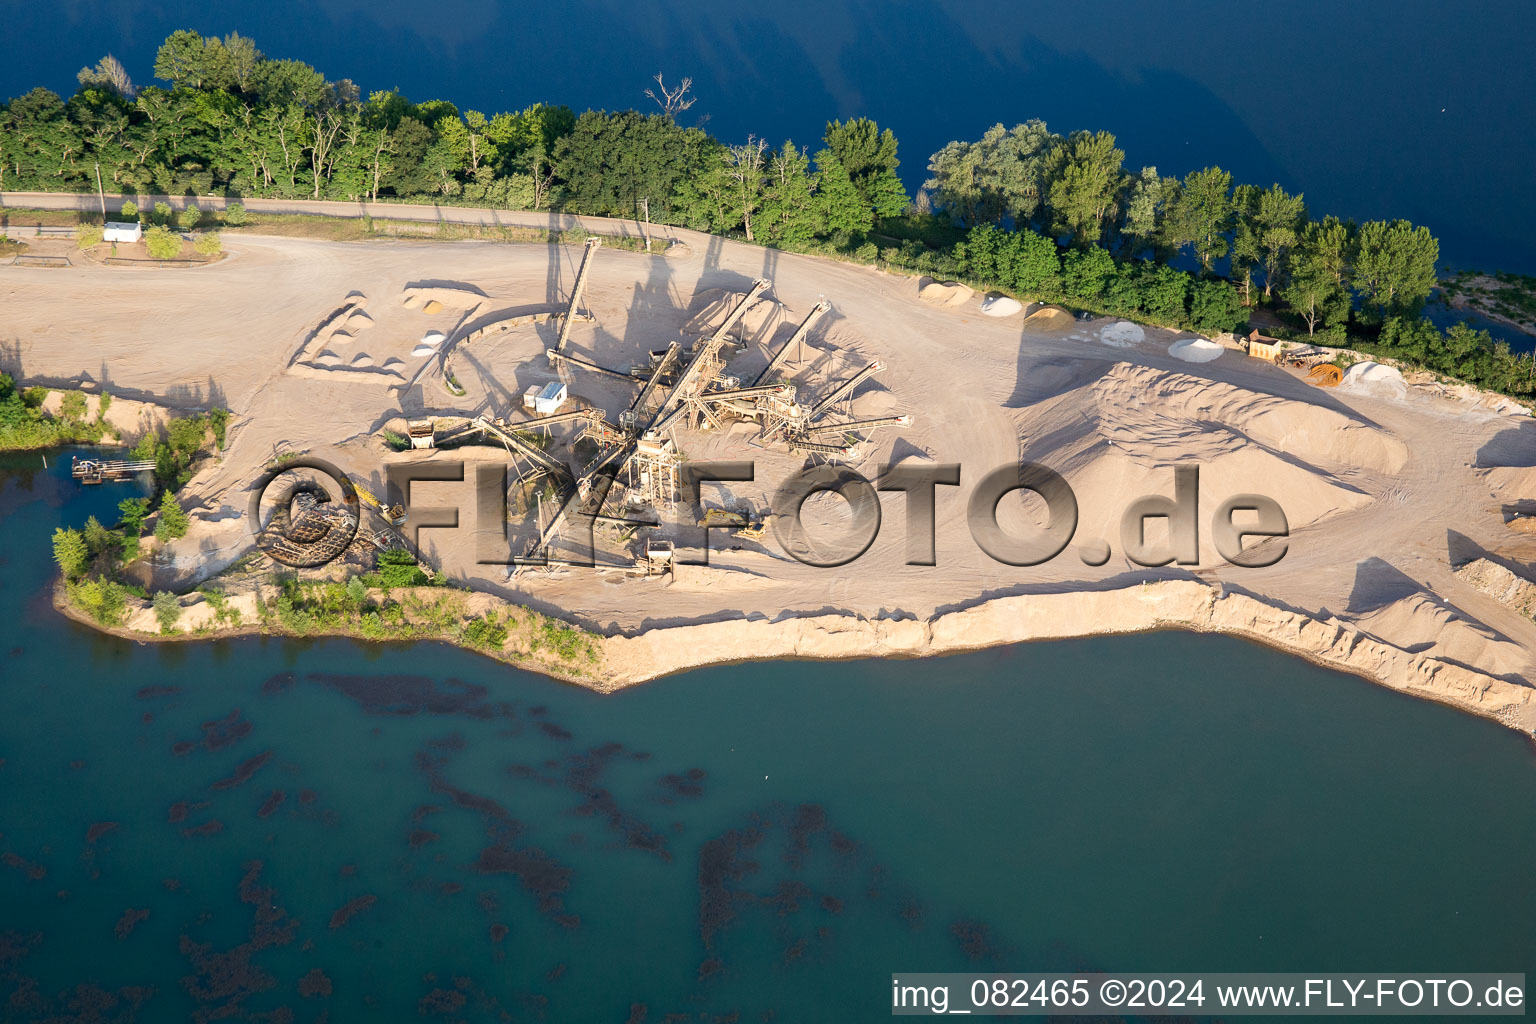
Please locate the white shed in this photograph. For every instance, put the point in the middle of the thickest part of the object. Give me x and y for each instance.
(546, 400)
(122, 231)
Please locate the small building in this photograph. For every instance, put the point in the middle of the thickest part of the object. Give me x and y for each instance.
(122, 231)
(546, 400)
(1262, 346)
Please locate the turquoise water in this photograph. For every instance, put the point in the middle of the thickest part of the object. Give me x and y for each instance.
(271, 830)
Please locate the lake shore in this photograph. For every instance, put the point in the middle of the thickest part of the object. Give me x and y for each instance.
(629, 660)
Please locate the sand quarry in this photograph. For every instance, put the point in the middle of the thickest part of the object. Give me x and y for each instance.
(316, 346)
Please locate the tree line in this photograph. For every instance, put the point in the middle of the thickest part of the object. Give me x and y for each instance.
(1050, 216)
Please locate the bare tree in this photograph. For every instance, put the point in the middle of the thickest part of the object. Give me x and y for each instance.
(672, 101)
(109, 73)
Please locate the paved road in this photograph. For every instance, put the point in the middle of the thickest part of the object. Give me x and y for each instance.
(419, 212)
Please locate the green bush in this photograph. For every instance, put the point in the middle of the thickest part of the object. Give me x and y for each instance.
(209, 244)
(167, 611)
(129, 210)
(162, 243)
(73, 406)
(396, 568)
(234, 214)
(87, 235)
(190, 217)
(162, 214)
(487, 633)
(398, 442)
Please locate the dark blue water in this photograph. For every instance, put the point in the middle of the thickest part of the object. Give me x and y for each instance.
(336, 831)
(1377, 108)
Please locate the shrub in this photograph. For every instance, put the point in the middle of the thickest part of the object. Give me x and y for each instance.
(174, 521)
(396, 441)
(234, 214)
(487, 633)
(357, 593)
(161, 214)
(129, 211)
(866, 253)
(396, 569)
(218, 422)
(189, 218)
(209, 243)
(167, 611)
(162, 243)
(87, 235)
(73, 406)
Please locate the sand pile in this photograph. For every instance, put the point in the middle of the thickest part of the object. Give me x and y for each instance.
(1457, 637)
(943, 293)
(318, 356)
(1000, 305)
(712, 306)
(451, 298)
(1116, 437)
(1050, 316)
(1195, 350)
(1374, 378)
(1122, 334)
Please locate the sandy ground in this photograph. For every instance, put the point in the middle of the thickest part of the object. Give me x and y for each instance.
(309, 343)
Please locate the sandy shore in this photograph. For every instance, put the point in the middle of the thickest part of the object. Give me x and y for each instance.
(1385, 489)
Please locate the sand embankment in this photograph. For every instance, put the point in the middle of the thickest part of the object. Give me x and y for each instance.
(1171, 604)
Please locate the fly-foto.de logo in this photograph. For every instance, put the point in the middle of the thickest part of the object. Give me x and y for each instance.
(307, 512)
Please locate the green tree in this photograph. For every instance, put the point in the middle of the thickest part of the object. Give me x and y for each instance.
(1200, 215)
(789, 214)
(162, 243)
(1213, 307)
(998, 177)
(209, 244)
(1146, 202)
(70, 552)
(129, 210)
(134, 511)
(174, 521)
(1086, 272)
(234, 214)
(1315, 293)
(1086, 176)
(1394, 267)
(190, 217)
(841, 207)
(869, 157)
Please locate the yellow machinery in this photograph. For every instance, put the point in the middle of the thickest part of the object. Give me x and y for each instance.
(393, 514)
(746, 526)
